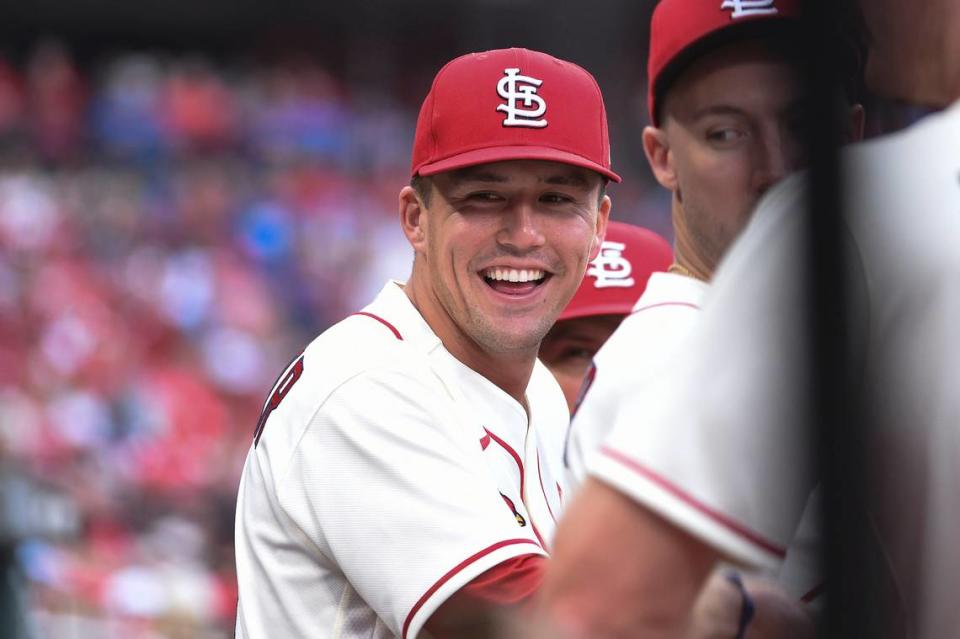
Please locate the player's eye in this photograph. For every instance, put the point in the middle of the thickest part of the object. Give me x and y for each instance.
(555, 198)
(726, 135)
(484, 196)
(579, 354)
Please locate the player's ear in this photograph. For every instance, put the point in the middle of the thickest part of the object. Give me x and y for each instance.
(412, 218)
(603, 216)
(657, 149)
(855, 123)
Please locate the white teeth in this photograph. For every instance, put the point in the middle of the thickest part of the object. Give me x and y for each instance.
(514, 275)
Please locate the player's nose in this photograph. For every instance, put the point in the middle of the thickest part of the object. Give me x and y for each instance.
(520, 228)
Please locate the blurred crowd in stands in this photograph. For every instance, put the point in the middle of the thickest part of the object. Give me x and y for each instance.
(172, 231)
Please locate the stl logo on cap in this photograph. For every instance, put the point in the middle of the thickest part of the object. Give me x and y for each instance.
(610, 268)
(509, 90)
(743, 8)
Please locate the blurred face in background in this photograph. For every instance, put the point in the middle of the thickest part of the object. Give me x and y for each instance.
(729, 131)
(569, 348)
(909, 44)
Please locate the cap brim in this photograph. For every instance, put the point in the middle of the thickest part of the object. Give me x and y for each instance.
(501, 153)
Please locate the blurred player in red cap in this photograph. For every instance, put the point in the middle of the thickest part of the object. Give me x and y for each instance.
(726, 107)
(614, 281)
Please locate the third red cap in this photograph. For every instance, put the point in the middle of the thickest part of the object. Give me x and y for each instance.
(618, 276)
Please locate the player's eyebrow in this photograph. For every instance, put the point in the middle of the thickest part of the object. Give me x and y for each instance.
(573, 178)
(471, 174)
(718, 109)
(790, 108)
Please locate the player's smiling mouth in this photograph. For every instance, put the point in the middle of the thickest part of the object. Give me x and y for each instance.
(514, 281)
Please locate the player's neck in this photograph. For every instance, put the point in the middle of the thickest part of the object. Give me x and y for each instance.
(510, 371)
(687, 259)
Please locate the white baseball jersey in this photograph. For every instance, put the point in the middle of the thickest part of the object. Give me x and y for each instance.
(645, 341)
(723, 457)
(385, 476)
(638, 351)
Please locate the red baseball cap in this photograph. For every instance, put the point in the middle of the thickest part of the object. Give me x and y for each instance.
(511, 104)
(683, 30)
(618, 275)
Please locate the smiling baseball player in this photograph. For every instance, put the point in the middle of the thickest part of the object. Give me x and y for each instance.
(403, 476)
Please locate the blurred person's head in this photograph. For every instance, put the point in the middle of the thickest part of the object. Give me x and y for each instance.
(507, 206)
(613, 283)
(56, 95)
(11, 98)
(914, 49)
(726, 105)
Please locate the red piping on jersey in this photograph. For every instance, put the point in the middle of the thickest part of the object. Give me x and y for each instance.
(382, 321)
(715, 515)
(504, 445)
(544, 490)
(453, 571)
(647, 308)
(815, 592)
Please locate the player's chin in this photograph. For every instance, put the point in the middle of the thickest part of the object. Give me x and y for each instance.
(520, 332)
(514, 342)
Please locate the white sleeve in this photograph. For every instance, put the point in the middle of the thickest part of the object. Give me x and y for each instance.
(631, 359)
(386, 483)
(718, 444)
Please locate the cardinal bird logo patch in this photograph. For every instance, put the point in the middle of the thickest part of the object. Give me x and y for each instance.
(516, 513)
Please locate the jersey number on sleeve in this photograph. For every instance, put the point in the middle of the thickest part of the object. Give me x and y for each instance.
(280, 391)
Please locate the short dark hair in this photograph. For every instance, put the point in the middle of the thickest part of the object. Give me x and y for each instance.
(423, 185)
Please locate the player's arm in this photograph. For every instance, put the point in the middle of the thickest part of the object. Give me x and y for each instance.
(478, 610)
(661, 580)
(651, 570)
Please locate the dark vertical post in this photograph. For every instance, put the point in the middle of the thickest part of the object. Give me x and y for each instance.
(853, 603)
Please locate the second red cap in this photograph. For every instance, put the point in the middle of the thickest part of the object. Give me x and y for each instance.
(682, 30)
(511, 104)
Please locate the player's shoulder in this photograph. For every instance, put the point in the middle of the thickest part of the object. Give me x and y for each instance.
(360, 341)
(364, 361)
(668, 306)
(388, 331)
(366, 344)
(918, 147)
(913, 165)
(667, 295)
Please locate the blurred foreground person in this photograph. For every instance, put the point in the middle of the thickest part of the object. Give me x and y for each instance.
(736, 397)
